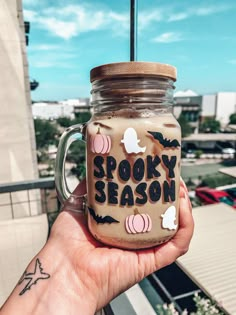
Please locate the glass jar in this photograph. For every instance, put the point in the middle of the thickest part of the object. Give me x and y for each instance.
(133, 155)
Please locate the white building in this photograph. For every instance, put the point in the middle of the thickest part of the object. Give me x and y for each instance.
(50, 111)
(54, 110)
(78, 102)
(196, 107)
(185, 93)
(188, 104)
(225, 106)
(220, 105)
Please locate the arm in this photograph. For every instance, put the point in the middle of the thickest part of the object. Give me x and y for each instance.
(80, 275)
(50, 285)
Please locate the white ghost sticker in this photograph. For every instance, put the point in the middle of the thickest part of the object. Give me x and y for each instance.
(130, 140)
(168, 218)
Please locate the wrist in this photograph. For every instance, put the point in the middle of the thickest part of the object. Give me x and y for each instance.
(50, 285)
(67, 285)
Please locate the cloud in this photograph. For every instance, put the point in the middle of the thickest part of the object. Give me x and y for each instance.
(50, 60)
(72, 20)
(145, 18)
(168, 37)
(178, 16)
(44, 47)
(64, 29)
(30, 15)
(232, 61)
(208, 10)
(196, 11)
(30, 2)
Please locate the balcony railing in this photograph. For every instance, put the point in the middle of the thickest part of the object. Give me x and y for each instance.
(29, 198)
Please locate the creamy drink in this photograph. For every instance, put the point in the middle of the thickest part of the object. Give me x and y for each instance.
(133, 178)
(133, 150)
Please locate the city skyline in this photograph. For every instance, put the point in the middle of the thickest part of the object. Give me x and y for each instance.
(68, 38)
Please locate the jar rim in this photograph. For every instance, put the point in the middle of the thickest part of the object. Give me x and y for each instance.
(133, 68)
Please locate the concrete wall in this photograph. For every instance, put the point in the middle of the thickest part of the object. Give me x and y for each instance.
(226, 105)
(208, 105)
(17, 150)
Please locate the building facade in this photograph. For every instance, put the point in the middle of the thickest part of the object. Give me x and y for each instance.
(67, 108)
(190, 107)
(17, 138)
(197, 108)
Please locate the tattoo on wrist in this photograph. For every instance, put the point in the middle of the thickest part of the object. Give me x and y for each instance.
(31, 278)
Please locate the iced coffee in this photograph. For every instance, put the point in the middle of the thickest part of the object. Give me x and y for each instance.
(133, 178)
(132, 156)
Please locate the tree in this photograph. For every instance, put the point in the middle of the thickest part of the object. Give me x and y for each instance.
(232, 119)
(81, 118)
(45, 133)
(76, 154)
(185, 126)
(64, 122)
(210, 125)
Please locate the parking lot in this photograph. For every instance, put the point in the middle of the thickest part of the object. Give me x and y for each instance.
(199, 169)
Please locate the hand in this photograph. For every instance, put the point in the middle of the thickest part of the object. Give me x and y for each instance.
(75, 274)
(100, 272)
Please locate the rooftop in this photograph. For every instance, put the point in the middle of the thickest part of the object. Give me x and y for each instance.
(186, 93)
(211, 137)
(231, 171)
(210, 261)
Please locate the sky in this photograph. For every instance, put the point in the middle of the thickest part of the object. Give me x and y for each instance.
(70, 37)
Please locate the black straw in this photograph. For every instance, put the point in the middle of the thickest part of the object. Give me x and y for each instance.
(133, 30)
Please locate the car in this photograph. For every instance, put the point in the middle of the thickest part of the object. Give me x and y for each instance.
(211, 196)
(190, 147)
(225, 147)
(231, 192)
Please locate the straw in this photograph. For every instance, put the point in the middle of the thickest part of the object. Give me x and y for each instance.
(133, 30)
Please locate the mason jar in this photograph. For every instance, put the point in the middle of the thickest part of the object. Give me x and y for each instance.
(133, 150)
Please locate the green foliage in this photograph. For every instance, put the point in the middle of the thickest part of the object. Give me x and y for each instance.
(79, 171)
(232, 119)
(216, 180)
(76, 155)
(168, 310)
(210, 125)
(198, 154)
(81, 118)
(64, 122)
(186, 129)
(45, 133)
(203, 306)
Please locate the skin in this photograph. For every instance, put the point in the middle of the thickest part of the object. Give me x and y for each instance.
(86, 275)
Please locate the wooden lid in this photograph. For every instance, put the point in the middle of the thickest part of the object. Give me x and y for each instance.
(133, 68)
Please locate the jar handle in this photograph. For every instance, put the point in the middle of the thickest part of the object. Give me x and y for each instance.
(70, 135)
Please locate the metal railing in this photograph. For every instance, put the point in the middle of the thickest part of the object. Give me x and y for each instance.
(34, 197)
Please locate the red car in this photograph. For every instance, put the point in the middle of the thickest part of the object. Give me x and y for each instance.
(211, 196)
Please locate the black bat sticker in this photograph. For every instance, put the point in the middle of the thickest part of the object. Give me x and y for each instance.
(164, 141)
(100, 219)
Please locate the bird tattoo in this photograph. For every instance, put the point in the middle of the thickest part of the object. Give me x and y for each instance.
(33, 277)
